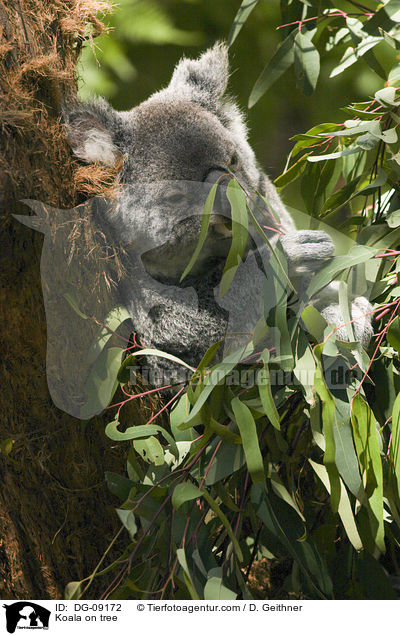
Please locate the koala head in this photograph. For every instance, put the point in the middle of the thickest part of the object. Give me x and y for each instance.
(173, 146)
(187, 131)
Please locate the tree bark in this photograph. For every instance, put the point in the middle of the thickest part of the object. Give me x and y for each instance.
(56, 515)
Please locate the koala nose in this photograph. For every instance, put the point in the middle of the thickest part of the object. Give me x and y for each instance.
(217, 175)
(221, 226)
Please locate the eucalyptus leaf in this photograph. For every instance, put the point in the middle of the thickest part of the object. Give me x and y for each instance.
(102, 382)
(357, 254)
(243, 13)
(237, 201)
(394, 454)
(366, 442)
(306, 62)
(184, 492)
(279, 63)
(215, 590)
(128, 520)
(248, 433)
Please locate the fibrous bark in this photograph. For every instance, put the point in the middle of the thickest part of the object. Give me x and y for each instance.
(56, 515)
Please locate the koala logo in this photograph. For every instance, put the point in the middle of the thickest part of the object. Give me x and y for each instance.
(26, 615)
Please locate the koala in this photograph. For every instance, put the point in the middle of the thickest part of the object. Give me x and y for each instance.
(172, 148)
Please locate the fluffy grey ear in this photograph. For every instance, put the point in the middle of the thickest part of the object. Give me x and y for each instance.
(203, 80)
(90, 128)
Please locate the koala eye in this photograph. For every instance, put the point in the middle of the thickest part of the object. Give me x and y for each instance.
(174, 197)
(234, 161)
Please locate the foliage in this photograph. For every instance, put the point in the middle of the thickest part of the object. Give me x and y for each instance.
(107, 59)
(294, 471)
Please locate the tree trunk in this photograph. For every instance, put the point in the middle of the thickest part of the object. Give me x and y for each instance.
(56, 515)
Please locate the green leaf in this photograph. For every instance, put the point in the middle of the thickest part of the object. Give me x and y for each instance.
(205, 361)
(248, 433)
(370, 58)
(127, 519)
(393, 219)
(237, 201)
(278, 64)
(102, 382)
(306, 62)
(184, 492)
(111, 323)
(124, 371)
(360, 114)
(312, 135)
(133, 432)
(394, 451)
(374, 185)
(280, 491)
(6, 446)
(335, 155)
(279, 335)
(277, 255)
(225, 497)
(315, 324)
(315, 182)
(372, 578)
(243, 13)
(72, 298)
(229, 459)
(180, 553)
(344, 509)
(140, 432)
(225, 521)
(367, 141)
(394, 75)
(386, 95)
(150, 450)
(177, 416)
(73, 590)
(217, 375)
(328, 413)
(223, 431)
(345, 454)
(357, 254)
(367, 447)
(393, 334)
(214, 590)
(293, 172)
(392, 41)
(119, 485)
(282, 522)
(351, 56)
(264, 389)
(304, 370)
(205, 222)
(356, 127)
(384, 17)
(389, 136)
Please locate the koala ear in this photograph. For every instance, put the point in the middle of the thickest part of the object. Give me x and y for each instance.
(203, 80)
(90, 127)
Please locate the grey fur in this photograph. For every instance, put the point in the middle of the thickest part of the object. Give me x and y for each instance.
(187, 134)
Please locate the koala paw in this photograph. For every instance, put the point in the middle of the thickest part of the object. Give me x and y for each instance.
(362, 327)
(307, 250)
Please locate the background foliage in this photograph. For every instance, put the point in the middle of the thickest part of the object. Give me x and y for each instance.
(299, 477)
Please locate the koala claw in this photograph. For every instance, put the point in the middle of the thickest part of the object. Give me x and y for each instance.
(362, 327)
(307, 250)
